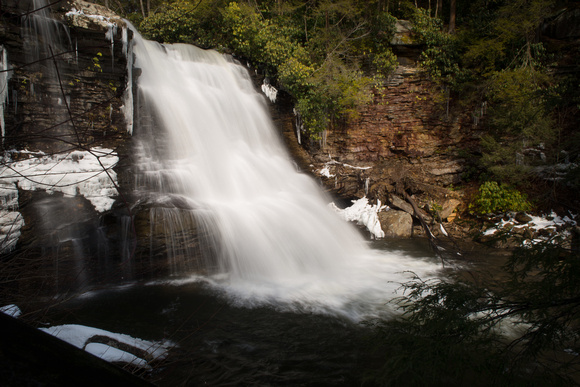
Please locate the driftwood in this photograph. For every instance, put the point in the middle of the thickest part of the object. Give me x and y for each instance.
(434, 242)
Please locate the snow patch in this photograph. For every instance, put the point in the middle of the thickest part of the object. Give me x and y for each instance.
(11, 310)
(86, 173)
(363, 214)
(101, 20)
(80, 336)
(326, 172)
(551, 221)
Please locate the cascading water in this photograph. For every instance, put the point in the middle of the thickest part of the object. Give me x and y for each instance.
(214, 150)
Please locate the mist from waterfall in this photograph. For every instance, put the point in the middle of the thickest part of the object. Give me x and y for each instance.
(207, 146)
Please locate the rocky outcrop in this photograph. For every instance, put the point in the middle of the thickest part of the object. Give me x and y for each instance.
(396, 224)
(69, 92)
(410, 140)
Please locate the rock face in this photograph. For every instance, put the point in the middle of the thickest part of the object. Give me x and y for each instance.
(396, 224)
(68, 93)
(411, 139)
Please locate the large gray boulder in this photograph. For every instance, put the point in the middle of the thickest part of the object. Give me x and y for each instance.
(396, 224)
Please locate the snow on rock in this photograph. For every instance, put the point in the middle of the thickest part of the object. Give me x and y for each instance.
(364, 214)
(115, 355)
(80, 336)
(86, 173)
(552, 221)
(11, 310)
(326, 172)
(84, 14)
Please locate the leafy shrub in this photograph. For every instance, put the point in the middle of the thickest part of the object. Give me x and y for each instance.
(495, 198)
(316, 52)
(440, 57)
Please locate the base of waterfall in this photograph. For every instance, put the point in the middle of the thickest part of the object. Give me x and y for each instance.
(356, 291)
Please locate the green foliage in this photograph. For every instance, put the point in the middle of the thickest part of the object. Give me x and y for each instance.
(385, 62)
(495, 198)
(441, 55)
(96, 63)
(505, 35)
(455, 331)
(185, 21)
(315, 50)
(519, 122)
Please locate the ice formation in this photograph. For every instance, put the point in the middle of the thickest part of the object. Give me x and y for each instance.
(363, 214)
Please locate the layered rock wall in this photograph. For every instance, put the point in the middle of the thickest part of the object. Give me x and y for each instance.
(411, 138)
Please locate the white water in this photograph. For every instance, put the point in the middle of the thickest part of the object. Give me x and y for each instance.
(276, 240)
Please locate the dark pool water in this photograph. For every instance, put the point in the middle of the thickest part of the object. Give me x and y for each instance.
(220, 344)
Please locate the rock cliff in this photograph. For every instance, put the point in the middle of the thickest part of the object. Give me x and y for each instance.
(68, 213)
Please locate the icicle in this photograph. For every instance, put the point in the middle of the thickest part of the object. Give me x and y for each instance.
(269, 90)
(4, 77)
(323, 139)
(299, 126)
(367, 183)
(127, 107)
(111, 36)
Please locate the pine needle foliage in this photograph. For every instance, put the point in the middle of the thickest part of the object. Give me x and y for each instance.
(517, 328)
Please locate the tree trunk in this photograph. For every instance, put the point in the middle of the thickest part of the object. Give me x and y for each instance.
(438, 7)
(142, 8)
(452, 17)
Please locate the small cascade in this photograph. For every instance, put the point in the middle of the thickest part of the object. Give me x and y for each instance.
(44, 37)
(49, 50)
(207, 153)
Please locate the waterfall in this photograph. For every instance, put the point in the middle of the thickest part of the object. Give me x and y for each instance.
(45, 36)
(206, 142)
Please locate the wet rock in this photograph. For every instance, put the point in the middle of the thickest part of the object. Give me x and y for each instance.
(522, 218)
(396, 224)
(448, 208)
(529, 233)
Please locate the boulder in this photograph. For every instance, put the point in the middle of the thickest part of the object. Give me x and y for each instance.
(396, 224)
(522, 218)
(448, 208)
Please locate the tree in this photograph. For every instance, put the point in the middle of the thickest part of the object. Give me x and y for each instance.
(452, 10)
(316, 50)
(517, 327)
